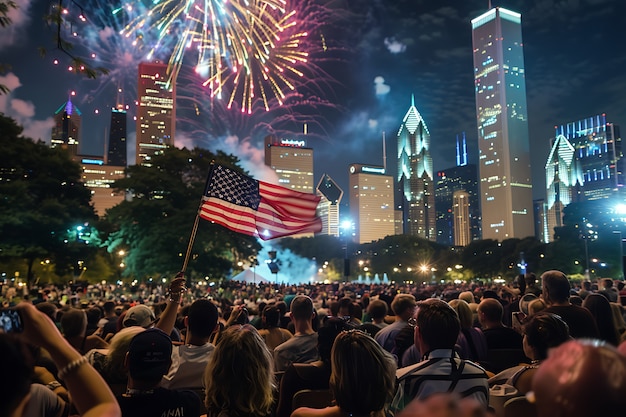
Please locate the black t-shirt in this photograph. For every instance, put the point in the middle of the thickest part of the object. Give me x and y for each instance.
(161, 402)
(503, 338)
(579, 319)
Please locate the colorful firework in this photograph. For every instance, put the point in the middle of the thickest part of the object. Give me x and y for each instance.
(246, 49)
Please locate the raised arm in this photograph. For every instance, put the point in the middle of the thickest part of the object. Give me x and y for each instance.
(167, 320)
(90, 393)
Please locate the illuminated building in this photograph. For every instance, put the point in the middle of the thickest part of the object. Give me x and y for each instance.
(501, 114)
(598, 153)
(463, 177)
(328, 208)
(371, 203)
(156, 112)
(117, 138)
(416, 188)
(292, 161)
(66, 131)
(98, 177)
(461, 213)
(563, 179)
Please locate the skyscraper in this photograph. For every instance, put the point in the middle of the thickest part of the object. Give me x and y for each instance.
(117, 138)
(156, 111)
(371, 202)
(328, 208)
(461, 213)
(416, 188)
(501, 114)
(66, 132)
(292, 161)
(462, 177)
(598, 152)
(98, 177)
(563, 180)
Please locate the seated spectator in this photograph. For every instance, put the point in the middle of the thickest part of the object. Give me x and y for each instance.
(109, 327)
(140, 315)
(471, 342)
(91, 396)
(362, 380)
(600, 309)
(608, 290)
(272, 334)
(436, 329)
(314, 375)
(581, 378)
(536, 306)
(110, 362)
(148, 359)
(556, 288)
(402, 306)
(377, 311)
(302, 348)
(74, 325)
(498, 336)
(190, 359)
(542, 332)
(241, 356)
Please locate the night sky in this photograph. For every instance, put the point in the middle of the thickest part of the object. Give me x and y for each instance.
(379, 54)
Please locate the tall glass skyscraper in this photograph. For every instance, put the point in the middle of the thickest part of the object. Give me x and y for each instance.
(501, 114)
(117, 138)
(416, 187)
(66, 131)
(156, 111)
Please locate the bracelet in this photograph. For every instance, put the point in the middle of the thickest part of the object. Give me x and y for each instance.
(72, 366)
(54, 385)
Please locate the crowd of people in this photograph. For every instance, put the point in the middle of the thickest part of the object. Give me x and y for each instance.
(329, 350)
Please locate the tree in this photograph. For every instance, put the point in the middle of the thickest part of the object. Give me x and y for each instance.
(43, 200)
(154, 227)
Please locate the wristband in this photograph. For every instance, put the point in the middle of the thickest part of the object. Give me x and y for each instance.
(72, 366)
(54, 385)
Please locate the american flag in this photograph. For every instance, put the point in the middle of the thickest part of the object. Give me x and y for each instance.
(257, 208)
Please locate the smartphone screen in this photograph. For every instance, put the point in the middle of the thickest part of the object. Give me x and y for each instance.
(11, 321)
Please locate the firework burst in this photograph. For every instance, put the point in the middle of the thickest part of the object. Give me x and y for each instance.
(245, 49)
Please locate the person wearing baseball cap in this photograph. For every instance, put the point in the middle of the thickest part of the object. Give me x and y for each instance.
(148, 359)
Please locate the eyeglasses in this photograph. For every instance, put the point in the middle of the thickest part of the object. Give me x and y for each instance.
(412, 322)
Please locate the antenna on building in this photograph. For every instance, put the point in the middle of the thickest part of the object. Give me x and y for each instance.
(306, 129)
(119, 105)
(412, 100)
(384, 153)
(490, 5)
(106, 152)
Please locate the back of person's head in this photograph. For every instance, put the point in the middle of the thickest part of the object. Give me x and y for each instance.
(240, 356)
(403, 304)
(463, 310)
(607, 283)
(345, 307)
(74, 322)
(363, 377)
(118, 347)
(49, 309)
(531, 279)
(556, 286)
(140, 315)
(438, 323)
(327, 333)
(94, 314)
(535, 306)
(302, 308)
(587, 285)
(581, 378)
(491, 310)
(202, 317)
(108, 307)
(544, 331)
(377, 309)
(149, 356)
(600, 309)
(467, 296)
(271, 316)
(17, 368)
(576, 300)
(282, 307)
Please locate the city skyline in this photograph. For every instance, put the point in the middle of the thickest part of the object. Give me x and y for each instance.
(398, 49)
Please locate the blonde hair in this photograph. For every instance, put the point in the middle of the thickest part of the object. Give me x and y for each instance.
(535, 306)
(463, 310)
(240, 357)
(363, 377)
(114, 363)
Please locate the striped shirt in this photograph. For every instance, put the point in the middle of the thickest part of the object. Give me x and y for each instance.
(441, 371)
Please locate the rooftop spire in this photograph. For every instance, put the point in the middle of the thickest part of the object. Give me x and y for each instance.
(413, 100)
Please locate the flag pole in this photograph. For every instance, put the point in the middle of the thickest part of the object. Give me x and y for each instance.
(194, 229)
